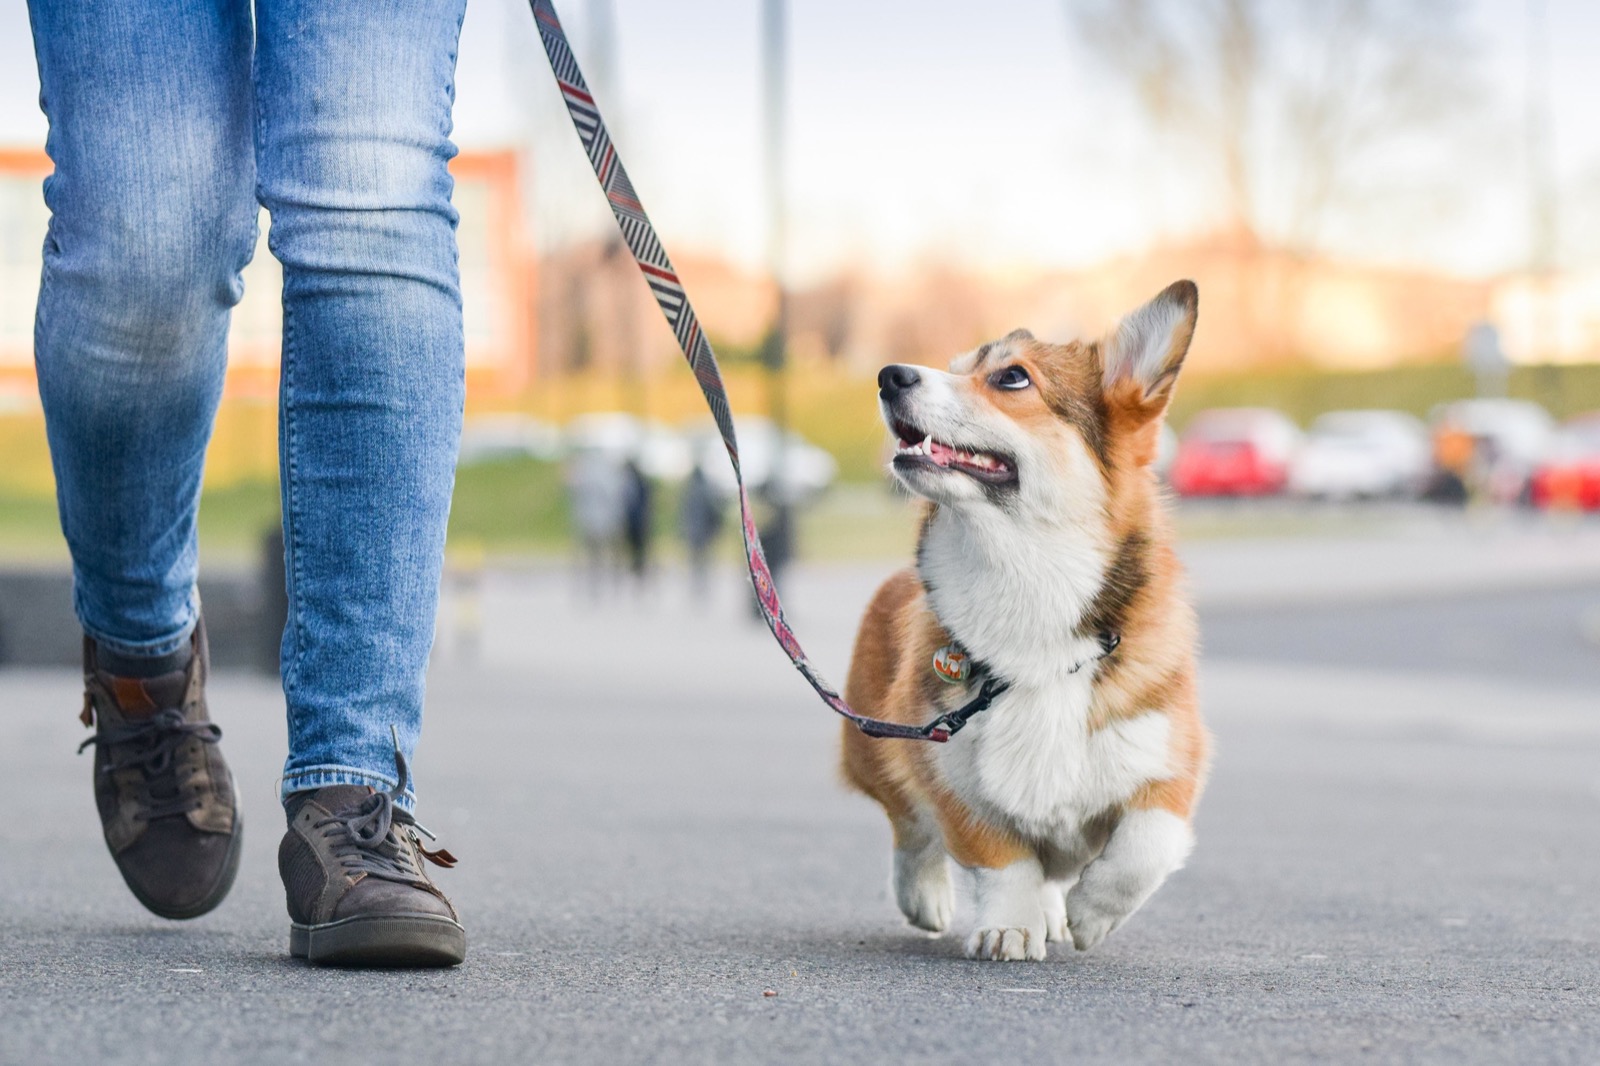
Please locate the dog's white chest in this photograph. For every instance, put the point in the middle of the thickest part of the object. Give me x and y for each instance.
(1031, 762)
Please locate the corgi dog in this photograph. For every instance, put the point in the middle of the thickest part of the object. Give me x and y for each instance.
(1046, 579)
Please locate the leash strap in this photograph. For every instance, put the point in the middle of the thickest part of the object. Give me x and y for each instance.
(640, 237)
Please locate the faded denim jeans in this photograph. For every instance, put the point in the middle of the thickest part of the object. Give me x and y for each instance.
(170, 120)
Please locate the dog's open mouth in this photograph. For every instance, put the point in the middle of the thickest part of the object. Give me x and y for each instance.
(916, 448)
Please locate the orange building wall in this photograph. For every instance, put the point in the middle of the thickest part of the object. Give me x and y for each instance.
(498, 275)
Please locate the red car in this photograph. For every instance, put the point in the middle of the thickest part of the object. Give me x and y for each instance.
(1570, 478)
(1235, 451)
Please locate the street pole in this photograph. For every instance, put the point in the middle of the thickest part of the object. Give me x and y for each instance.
(774, 19)
(1541, 179)
(1542, 249)
(603, 28)
(615, 261)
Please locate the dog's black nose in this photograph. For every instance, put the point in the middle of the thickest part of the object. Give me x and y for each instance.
(895, 379)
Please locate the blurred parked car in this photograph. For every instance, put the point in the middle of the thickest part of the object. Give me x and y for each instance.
(485, 438)
(1509, 439)
(1570, 477)
(1235, 451)
(660, 451)
(807, 469)
(1351, 455)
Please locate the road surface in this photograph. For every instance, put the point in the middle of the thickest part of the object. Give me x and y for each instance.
(1398, 860)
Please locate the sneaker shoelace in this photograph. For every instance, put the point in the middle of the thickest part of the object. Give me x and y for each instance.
(150, 745)
(370, 835)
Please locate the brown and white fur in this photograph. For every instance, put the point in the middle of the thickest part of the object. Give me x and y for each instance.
(1070, 799)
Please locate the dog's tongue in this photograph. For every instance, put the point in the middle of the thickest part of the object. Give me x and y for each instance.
(942, 454)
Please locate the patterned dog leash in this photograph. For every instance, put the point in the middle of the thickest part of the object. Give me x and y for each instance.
(642, 241)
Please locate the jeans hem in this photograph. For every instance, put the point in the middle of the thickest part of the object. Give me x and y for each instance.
(147, 649)
(314, 777)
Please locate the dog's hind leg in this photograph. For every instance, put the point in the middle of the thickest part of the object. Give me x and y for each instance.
(921, 873)
(922, 885)
(1064, 860)
(1054, 898)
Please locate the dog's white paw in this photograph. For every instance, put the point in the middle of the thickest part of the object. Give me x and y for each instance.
(1006, 945)
(1055, 913)
(1145, 847)
(922, 888)
(1089, 923)
(929, 904)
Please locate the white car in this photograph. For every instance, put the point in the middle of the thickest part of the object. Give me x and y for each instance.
(1350, 455)
(807, 469)
(661, 452)
(486, 438)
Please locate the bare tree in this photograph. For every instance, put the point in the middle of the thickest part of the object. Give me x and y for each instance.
(1285, 100)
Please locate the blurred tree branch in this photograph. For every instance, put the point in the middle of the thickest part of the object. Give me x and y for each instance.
(1282, 99)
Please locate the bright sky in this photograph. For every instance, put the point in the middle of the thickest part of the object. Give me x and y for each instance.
(936, 128)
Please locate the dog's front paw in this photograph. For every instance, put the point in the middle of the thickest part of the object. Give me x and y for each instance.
(1089, 923)
(1006, 945)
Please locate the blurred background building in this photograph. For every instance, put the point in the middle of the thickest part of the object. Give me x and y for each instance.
(1358, 188)
(498, 273)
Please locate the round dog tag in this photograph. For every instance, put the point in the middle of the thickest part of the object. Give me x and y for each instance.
(951, 664)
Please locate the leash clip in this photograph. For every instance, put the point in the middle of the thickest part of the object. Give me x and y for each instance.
(947, 725)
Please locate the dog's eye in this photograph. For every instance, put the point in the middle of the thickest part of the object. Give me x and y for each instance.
(1012, 377)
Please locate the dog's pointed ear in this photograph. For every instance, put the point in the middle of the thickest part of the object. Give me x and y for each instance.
(1148, 347)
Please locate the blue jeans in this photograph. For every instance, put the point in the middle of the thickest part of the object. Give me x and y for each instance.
(170, 120)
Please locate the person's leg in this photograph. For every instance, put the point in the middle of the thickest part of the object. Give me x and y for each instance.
(152, 218)
(353, 145)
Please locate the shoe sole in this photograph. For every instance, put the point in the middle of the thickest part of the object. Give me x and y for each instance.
(219, 892)
(381, 940)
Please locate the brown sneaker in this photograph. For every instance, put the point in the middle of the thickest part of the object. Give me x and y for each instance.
(165, 795)
(352, 867)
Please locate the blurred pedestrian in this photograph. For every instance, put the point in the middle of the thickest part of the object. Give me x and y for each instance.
(700, 520)
(1452, 462)
(638, 511)
(170, 126)
(597, 489)
(777, 537)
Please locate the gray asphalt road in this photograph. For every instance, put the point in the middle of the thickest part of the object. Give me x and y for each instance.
(1543, 636)
(1397, 863)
